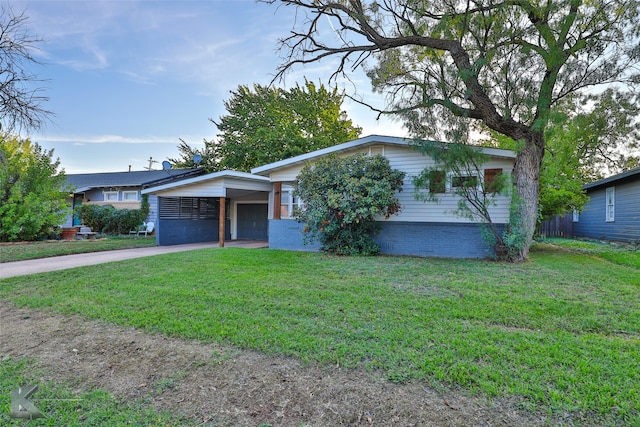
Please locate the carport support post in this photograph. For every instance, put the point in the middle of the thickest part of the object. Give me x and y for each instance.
(277, 199)
(223, 215)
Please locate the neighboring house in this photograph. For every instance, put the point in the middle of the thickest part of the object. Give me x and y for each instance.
(237, 205)
(613, 209)
(121, 190)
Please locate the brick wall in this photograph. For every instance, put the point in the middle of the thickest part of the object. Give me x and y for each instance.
(446, 240)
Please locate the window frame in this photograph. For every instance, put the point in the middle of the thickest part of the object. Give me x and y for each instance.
(292, 202)
(610, 204)
(437, 182)
(452, 188)
(106, 194)
(129, 192)
(491, 176)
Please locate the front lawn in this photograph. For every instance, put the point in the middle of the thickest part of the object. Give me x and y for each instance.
(10, 252)
(561, 332)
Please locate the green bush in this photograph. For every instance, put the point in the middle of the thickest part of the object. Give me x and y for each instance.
(344, 198)
(33, 197)
(122, 221)
(107, 219)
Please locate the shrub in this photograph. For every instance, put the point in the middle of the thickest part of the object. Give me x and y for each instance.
(107, 219)
(343, 199)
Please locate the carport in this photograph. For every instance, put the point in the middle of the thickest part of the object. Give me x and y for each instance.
(226, 205)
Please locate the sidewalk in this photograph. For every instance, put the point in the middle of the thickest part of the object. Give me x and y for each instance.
(43, 265)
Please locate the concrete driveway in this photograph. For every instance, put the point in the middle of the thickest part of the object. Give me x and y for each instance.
(42, 265)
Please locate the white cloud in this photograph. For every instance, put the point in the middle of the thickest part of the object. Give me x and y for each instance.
(107, 139)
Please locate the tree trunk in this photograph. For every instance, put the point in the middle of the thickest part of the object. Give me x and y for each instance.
(524, 211)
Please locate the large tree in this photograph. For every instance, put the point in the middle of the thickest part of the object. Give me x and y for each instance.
(265, 124)
(33, 197)
(446, 63)
(588, 138)
(21, 96)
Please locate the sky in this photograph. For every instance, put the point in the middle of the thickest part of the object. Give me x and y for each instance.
(126, 80)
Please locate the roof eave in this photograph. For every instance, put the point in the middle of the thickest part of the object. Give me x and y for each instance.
(204, 178)
(265, 170)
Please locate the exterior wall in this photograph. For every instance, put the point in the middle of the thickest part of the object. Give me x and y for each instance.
(412, 163)
(153, 209)
(180, 223)
(179, 232)
(442, 240)
(445, 240)
(287, 234)
(201, 189)
(592, 221)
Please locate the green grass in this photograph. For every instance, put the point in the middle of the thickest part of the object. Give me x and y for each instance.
(623, 254)
(64, 407)
(561, 331)
(32, 250)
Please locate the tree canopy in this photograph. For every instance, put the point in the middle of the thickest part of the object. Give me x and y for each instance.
(444, 64)
(265, 124)
(343, 198)
(588, 138)
(32, 191)
(21, 97)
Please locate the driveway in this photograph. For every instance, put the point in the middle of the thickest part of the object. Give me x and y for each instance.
(43, 265)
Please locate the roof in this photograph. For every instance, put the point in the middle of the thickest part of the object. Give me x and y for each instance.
(630, 174)
(85, 181)
(359, 143)
(208, 177)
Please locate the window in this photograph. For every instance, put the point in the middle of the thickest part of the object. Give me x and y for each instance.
(287, 204)
(576, 215)
(376, 150)
(285, 197)
(491, 180)
(464, 181)
(436, 182)
(194, 208)
(611, 204)
(130, 196)
(110, 196)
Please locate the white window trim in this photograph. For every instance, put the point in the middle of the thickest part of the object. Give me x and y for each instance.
(124, 196)
(576, 215)
(610, 209)
(291, 204)
(107, 193)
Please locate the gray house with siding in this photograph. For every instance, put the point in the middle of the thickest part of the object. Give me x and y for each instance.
(613, 210)
(122, 190)
(236, 205)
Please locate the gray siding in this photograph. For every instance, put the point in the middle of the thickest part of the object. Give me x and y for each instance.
(452, 240)
(626, 225)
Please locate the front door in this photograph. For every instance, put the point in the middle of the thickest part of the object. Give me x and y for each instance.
(252, 221)
(77, 202)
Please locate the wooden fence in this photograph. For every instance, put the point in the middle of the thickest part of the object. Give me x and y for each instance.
(558, 226)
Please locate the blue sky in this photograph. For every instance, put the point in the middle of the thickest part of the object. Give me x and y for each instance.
(127, 79)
